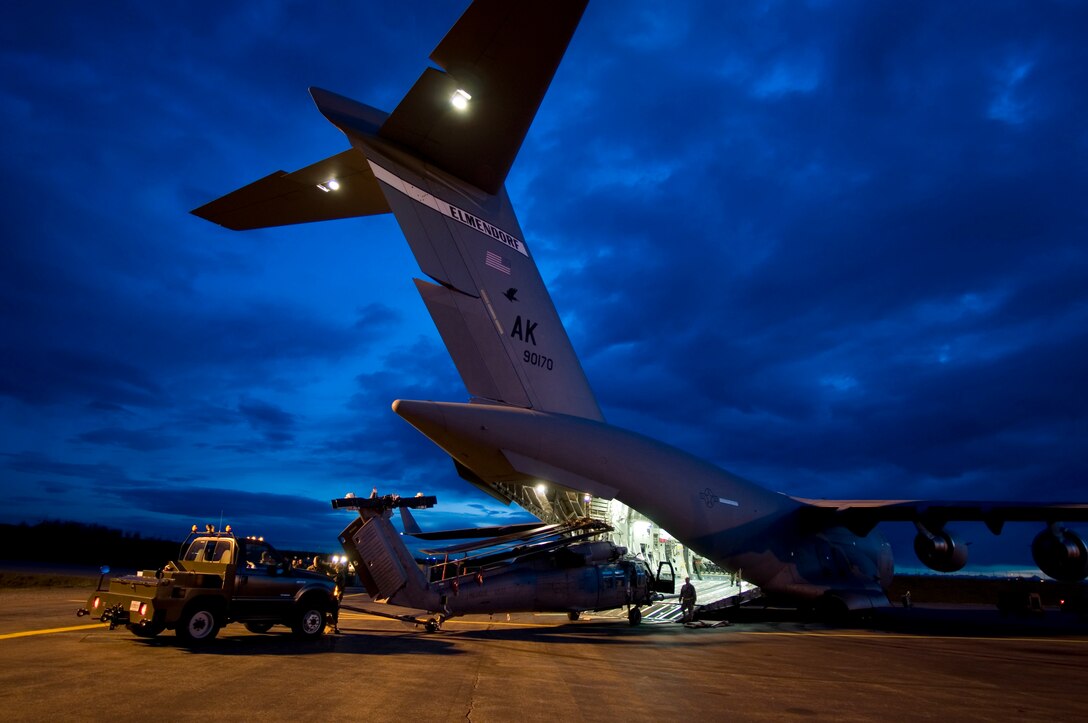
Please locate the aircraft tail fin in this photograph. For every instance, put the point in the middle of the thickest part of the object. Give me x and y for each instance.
(441, 171)
(411, 527)
(490, 304)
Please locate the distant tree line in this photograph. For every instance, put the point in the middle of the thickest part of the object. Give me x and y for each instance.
(78, 543)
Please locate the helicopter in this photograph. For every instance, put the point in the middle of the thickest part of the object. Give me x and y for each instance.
(527, 567)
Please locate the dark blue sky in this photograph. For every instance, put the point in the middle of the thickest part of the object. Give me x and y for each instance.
(840, 248)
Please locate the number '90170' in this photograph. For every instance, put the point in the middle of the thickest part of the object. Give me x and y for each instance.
(538, 360)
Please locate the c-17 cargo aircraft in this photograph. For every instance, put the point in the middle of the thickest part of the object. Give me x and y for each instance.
(439, 162)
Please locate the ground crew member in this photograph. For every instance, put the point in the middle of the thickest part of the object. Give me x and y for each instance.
(687, 601)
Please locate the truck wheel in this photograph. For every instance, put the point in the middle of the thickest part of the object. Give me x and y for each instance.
(310, 621)
(197, 625)
(634, 616)
(259, 627)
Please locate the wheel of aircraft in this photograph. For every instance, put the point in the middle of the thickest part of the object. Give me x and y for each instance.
(432, 625)
(634, 616)
(832, 609)
(573, 615)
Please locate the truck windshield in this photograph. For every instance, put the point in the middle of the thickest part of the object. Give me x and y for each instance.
(208, 549)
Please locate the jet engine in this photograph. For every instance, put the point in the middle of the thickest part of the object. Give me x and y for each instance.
(1061, 554)
(939, 550)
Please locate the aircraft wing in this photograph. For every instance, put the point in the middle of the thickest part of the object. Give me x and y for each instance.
(861, 516)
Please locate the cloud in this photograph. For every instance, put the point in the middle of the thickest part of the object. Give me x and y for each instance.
(273, 423)
(140, 440)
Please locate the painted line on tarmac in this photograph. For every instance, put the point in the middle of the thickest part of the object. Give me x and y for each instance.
(884, 636)
(453, 621)
(28, 633)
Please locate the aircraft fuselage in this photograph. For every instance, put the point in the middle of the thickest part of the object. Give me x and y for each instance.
(732, 521)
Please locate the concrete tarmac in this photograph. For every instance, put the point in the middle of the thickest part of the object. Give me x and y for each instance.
(938, 664)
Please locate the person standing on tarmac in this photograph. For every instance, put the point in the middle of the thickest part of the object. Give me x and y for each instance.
(687, 601)
(339, 574)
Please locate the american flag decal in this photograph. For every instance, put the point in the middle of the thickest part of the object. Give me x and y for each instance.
(497, 262)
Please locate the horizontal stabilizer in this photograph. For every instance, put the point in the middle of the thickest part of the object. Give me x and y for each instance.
(285, 198)
(503, 55)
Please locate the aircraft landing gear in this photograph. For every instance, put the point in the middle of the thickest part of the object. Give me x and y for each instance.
(634, 616)
(433, 625)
